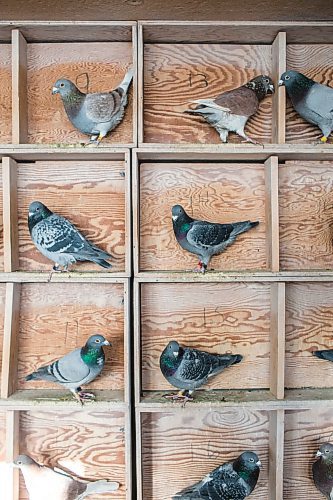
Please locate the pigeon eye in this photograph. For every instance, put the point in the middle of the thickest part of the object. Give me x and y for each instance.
(251, 459)
(287, 77)
(62, 85)
(97, 341)
(19, 462)
(266, 80)
(326, 451)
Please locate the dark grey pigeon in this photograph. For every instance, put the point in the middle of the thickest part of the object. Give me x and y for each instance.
(205, 239)
(78, 367)
(325, 354)
(94, 114)
(188, 369)
(312, 101)
(322, 470)
(231, 481)
(54, 484)
(59, 240)
(229, 111)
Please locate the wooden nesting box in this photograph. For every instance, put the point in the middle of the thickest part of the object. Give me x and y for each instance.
(6, 90)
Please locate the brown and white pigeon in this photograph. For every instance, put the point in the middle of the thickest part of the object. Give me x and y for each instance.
(229, 111)
(45, 483)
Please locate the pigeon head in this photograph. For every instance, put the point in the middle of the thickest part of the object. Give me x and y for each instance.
(325, 452)
(261, 85)
(97, 341)
(171, 358)
(179, 215)
(247, 462)
(23, 460)
(37, 212)
(294, 81)
(173, 349)
(65, 88)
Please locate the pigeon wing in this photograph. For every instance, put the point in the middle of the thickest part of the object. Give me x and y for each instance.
(241, 101)
(101, 108)
(204, 235)
(193, 366)
(320, 100)
(70, 368)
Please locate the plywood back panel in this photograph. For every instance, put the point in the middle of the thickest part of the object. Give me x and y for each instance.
(179, 449)
(5, 94)
(90, 194)
(233, 317)
(216, 192)
(306, 212)
(90, 444)
(175, 74)
(305, 430)
(57, 318)
(316, 62)
(106, 65)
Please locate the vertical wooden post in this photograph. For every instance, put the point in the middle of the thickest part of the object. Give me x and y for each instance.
(276, 449)
(127, 341)
(138, 422)
(140, 84)
(137, 341)
(277, 339)
(279, 64)
(19, 89)
(128, 215)
(12, 450)
(135, 85)
(136, 212)
(10, 340)
(10, 224)
(272, 212)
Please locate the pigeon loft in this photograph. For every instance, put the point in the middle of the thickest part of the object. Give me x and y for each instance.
(93, 194)
(88, 444)
(95, 56)
(184, 446)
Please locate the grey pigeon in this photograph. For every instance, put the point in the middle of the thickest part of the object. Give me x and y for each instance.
(45, 483)
(322, 470)
(231, 481)
(325, 354)
(59, 240)
(205, 239)
(78, 367)
(312, 101)
(188, 369)
(229, 111)
(94, 114)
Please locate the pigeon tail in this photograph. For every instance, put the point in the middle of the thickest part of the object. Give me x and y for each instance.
(237, 358)
(41, 374)
(126, 81)
(102, 263)
(97, 487)
(242, 227)
(326, 354)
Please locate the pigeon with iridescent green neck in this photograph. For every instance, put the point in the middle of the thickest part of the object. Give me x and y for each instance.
(77, 368)
(322, 470)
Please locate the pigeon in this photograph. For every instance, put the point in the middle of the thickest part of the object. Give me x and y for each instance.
(322, 470)
(94, 114)
(326, 354)
(231, 481)
(205, 239)
(187, 368)
(54, 484)
(59, 240)
(78, 367)
(312, 101)
(229, 111)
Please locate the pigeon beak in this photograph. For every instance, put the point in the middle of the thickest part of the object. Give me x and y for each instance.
(175, 353)
(271, 88)
(106, 342)
(55, 90)
(174, 217)
(281, 82)
(258, 463)
(319, 454)
(30, 214)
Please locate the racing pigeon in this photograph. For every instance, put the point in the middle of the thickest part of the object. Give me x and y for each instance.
(322, 470)
(94, 114)
(188, 369)
(229, 111)
(59, 240)
(325, 354)
(54, 484)
(78, 367)
(231, 481)
(312, 101)
(205, 239)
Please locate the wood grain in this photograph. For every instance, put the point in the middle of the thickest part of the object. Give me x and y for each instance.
(90, 195)
(305, 430)
(2, 444)
(5, 94)
(306, 213)
(169, 88)
(216, 192)
(91, 444)
(309, 326)
(2, 318)
(214, 317)
(106, 64)
(1, 224)
(316, 62)
(57, 318)
(178, 449)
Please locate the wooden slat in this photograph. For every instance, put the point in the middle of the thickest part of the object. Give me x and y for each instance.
(276, 446)
(136, 212)
(12, 451)
(19, 88)
(279, 57)
(137, 341)
(10, 340)
(10, 217)
(277, 351)
(140, 84)
(127, 342)
(135, 85)
(272, 212)
(138, 452)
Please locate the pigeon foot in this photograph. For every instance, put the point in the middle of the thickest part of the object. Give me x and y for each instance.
(86, 395)
(323, 139)
(180, 396)
(201, 268)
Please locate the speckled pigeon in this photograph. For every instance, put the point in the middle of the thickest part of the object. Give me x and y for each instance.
(229, 111)
(205, 239)
(322, 470)
(94, 114)
(54, 484)
(312, 101)
(325, 354)
(78, 367)
(231, 481)
(188, 369)
(59, 240)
